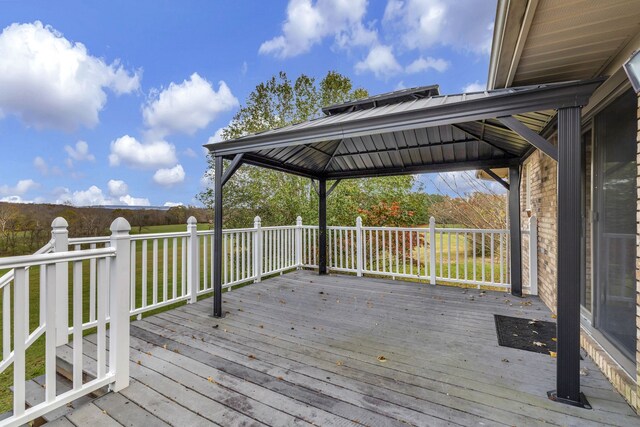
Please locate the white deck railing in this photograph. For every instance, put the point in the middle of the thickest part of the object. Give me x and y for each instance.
(111, 278)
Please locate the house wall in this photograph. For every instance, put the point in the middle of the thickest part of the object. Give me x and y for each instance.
(543, 179)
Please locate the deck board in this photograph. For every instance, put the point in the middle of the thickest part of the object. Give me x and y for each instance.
(302, 349)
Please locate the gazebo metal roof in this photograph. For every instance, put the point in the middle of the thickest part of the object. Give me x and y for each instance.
(412, 132)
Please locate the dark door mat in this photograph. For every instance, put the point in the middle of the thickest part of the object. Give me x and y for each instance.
(526, 334)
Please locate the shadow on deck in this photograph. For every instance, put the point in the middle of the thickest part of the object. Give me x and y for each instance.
(305, 349)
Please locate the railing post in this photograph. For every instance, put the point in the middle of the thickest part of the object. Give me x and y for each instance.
(298, 242)
(432, 249)
(119, 278)
(533, 255)
(359, 249)
(193, 260)
(60, 235)
(257, 248)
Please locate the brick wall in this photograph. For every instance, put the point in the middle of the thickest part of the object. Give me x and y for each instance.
(543, 179)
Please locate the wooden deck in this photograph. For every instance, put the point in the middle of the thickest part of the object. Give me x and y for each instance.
(302, 349)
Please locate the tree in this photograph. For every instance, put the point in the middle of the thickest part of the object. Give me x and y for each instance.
(279, 197)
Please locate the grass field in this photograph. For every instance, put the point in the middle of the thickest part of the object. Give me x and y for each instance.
(35, 354)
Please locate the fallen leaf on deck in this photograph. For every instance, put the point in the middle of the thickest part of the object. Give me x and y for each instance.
(505, 360)
(139, 362)
(553, 354)
(554, 339)
(251, 356)
(164, 346)
(584, 371)
(215, 326)
(282, 301)
(553, 316)
(382, 359)
(279, 378)
(339, 363)
(211, 380)
(261, 326)
(539, 344)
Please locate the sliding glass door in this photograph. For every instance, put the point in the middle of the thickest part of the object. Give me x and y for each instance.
(614, 216)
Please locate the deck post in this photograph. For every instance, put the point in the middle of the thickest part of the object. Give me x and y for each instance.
(257, 249)
(432, 250)
(193, 264)
(359, 247)
(217, 238)
(298, 237)
(569, 265)
(60, 236)
(119, 292)
(322, 226)
(514, 231)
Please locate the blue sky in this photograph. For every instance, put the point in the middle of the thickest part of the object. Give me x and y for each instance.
(110, 102)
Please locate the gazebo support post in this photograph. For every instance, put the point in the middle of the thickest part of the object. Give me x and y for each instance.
(217, 238)
(514, 231)
(569, 227)
(322, 226)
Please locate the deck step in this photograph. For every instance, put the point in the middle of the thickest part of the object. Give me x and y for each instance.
(64, 367)
(35, 394)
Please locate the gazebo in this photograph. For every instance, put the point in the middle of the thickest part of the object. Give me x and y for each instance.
(420, 131)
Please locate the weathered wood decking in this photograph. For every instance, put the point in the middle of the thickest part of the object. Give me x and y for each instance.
(302, 349)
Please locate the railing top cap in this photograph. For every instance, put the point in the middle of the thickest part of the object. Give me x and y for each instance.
(120, 224)
(59, 222)
(192, 220)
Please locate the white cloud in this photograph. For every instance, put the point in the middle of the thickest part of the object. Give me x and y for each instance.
(21, 187)
(168, 177)
(173, 204)
(464, 183)
(474, 87)
(130, 151)
(187, 107)
(421, 64)
(18, 199)
(244, 68)
(190, 153)
(134, 201)
(206, 181)
(50, 82)
(380, 61)
(307, 24)
(466, 25)
(41, 165)
(117, 187)
(217, 137)
(78, 153)
(94, 196)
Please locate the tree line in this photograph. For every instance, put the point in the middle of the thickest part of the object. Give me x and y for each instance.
(24, 228)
